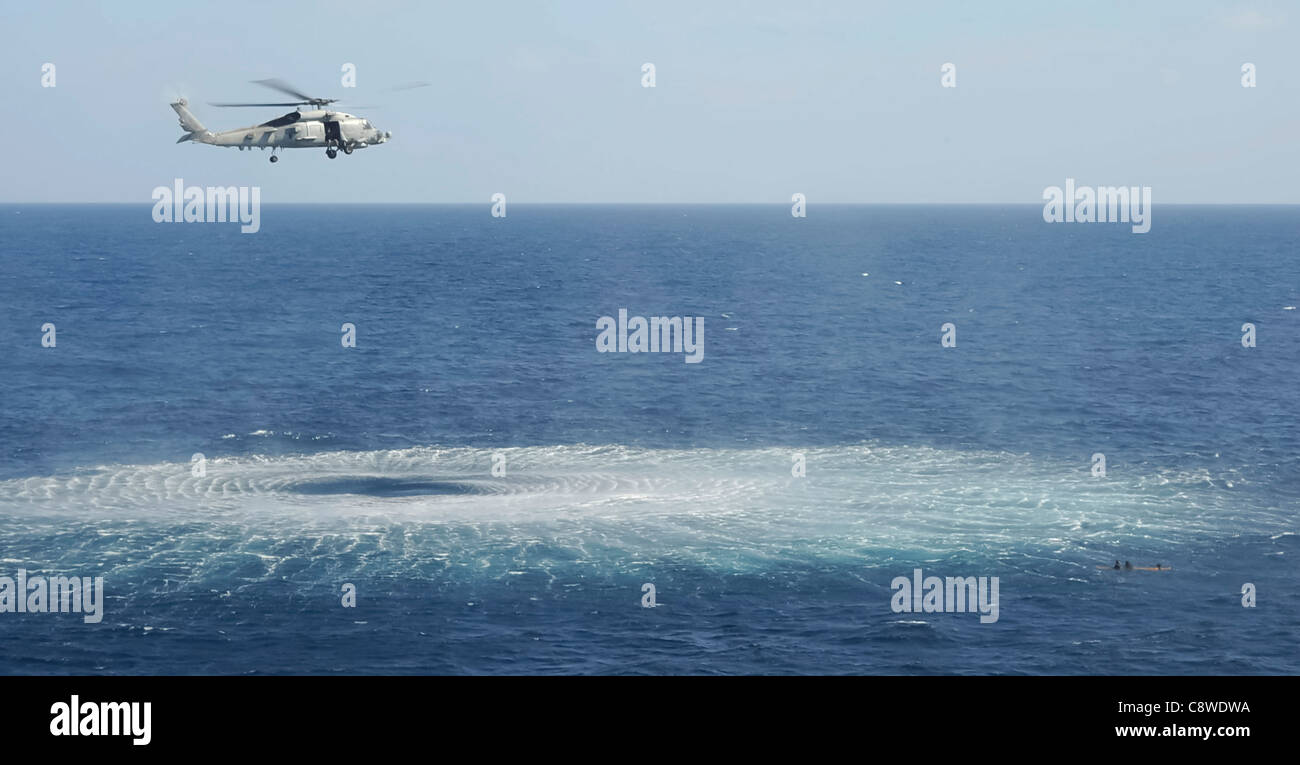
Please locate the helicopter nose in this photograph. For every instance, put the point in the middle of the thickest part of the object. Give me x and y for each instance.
(388, 135)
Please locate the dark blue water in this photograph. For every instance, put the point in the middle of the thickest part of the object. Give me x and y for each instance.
(373, 465)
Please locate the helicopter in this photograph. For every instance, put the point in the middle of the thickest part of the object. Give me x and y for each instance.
(314, 128)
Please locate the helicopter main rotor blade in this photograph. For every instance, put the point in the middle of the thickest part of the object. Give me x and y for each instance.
(295, 103)
(411, 86)
(274, 83)
(284, 87)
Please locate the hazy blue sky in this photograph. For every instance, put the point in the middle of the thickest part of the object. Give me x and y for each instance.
(755, 100)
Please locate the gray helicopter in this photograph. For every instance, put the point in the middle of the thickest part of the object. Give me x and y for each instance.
(315, 128)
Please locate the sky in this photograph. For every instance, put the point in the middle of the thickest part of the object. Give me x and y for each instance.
(753, 101)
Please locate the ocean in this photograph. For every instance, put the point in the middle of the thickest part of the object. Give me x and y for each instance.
(493, 494)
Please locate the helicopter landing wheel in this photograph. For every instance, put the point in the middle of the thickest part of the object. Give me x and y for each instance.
(274, 158)
(331, 152)
(347, 148)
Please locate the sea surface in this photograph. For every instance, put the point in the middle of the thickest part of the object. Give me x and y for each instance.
(323, 465)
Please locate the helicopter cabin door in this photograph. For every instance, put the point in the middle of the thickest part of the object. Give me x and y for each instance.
(332, 132)
(308, 133)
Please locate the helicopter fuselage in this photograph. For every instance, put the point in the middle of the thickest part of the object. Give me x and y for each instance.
(316, 128)
(313, 129)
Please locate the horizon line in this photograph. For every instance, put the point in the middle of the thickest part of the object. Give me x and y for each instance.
(666, 204)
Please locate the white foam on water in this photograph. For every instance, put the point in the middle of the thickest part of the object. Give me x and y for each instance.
(852, 498)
